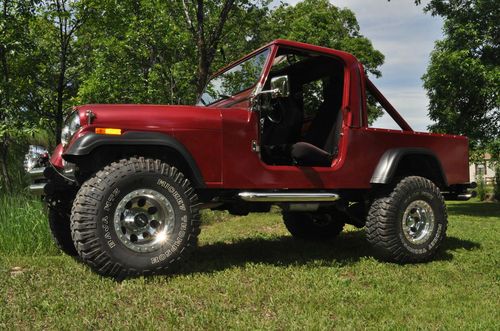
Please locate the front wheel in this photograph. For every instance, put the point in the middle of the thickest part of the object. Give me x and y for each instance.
(407, 221)
(135, 217)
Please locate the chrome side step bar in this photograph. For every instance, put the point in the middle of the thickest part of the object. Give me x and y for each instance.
(288, 197)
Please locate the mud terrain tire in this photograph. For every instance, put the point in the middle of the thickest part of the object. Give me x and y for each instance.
(407, 221)
(135, 217)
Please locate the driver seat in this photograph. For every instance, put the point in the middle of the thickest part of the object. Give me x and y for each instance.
(320, 143)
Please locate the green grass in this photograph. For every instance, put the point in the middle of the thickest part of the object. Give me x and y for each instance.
(248, 273)
(24, 230)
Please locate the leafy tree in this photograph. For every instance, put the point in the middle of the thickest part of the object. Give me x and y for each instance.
(16, 79)
(481, 187)
(56, 58)
(245, 30)
(207, 20)
(321, 23)
(141, 52)
(135, 52)
(463, 77)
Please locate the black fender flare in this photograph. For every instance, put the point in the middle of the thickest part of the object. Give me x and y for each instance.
(89, 142)
(389, 162)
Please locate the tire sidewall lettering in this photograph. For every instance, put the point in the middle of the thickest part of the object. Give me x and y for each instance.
(106, 227)
(176, 195)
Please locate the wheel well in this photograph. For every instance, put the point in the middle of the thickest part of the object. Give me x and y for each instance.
(101, 156)
(421, 165)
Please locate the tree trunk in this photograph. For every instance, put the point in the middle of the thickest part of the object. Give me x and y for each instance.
(202, 49)
(207, 44)
(4, 165)
(59, 111)
(203, 69)
(5, 103)
(60, 90)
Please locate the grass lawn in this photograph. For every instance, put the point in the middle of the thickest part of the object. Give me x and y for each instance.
(248, 273)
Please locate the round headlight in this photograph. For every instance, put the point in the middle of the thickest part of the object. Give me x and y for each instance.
(71, 125)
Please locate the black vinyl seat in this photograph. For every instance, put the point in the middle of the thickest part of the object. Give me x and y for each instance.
(308, 155)
(320, 144)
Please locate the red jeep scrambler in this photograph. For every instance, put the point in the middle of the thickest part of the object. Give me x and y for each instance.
(286, 125)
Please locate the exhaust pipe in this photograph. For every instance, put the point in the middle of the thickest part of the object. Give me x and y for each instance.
(467, 196)
(460, 196)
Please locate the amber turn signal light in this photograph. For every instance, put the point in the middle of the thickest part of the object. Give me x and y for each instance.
(110, 131)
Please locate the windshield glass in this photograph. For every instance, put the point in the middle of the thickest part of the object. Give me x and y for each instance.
(237, 79)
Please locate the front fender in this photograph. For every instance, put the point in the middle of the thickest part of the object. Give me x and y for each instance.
(89, 142)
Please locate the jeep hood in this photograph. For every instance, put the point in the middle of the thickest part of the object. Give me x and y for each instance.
(131, 117)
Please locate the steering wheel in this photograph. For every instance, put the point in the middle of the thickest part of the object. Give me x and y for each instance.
(275, 113)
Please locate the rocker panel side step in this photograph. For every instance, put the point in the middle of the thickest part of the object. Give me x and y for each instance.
(288, 197)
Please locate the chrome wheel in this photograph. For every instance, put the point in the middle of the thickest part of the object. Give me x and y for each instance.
(143, 220)
(418, 222)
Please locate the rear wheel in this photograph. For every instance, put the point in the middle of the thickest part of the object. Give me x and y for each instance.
(314, 226)
(407, 221)
(135, 217)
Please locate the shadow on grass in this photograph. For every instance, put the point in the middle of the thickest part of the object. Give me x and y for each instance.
(474, 209)
(347, 249)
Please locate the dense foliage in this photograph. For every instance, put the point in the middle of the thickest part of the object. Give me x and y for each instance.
(321, 23)
(463, 78)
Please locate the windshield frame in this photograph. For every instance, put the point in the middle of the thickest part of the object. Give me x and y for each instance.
(254, 54)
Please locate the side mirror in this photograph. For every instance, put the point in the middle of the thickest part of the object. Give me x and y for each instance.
(280, 86)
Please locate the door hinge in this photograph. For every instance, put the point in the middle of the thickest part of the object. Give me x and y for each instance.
(90, 116)
(255, 146)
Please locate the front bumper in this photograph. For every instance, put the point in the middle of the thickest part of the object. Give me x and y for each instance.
(49, 180)
(35, 163)
(45, 178)
(38, 181)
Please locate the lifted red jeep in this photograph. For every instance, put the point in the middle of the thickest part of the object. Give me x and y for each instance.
(286, 125)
